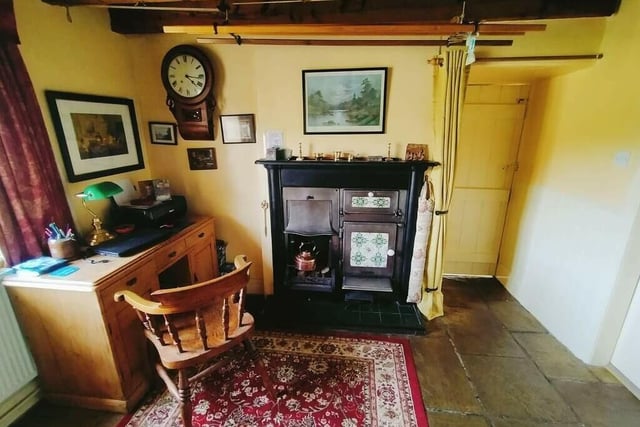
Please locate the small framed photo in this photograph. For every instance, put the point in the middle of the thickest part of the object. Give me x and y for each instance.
(417, 152)
(202, 158)
(163, 133)
(238, 128)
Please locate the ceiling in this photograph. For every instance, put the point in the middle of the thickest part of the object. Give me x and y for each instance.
(337, 17)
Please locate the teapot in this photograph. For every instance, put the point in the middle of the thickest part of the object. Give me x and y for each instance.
(306, 258)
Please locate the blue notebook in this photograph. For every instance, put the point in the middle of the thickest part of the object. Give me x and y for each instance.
(133, 243)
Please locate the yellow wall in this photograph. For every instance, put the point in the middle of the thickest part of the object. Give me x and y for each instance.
(267, 82)
(576, 198)
(86, 57)
(59, 57)
(566, 246)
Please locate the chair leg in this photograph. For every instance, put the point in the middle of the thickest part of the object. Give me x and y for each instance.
(262, 370)
(184, 393)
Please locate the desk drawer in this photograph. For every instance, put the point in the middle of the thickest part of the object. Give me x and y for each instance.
(204, 234)
(170, 254)
(141, 280)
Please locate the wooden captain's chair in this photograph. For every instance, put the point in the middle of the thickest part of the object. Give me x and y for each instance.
(193, 324)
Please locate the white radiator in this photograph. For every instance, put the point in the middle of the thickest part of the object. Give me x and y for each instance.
(18, 390)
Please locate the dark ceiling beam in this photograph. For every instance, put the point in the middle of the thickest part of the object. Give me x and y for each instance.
(352, 12)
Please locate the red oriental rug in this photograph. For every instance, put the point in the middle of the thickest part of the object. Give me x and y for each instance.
(339, 380)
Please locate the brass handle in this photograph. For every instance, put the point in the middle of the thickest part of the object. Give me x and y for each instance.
(132, 281)
(265, 205)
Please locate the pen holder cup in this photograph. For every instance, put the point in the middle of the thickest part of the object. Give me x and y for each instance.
(63, 248)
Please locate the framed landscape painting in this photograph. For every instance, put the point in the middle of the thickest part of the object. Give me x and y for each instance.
(344, 101)
(98, 135)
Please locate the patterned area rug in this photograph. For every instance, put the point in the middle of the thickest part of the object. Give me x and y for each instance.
(338, 380)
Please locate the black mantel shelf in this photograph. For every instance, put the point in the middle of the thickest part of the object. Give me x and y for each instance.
(356, 174)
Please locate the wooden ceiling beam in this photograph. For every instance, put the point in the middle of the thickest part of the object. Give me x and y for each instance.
(343, 12)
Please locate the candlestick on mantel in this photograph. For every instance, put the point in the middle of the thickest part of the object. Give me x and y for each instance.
(299, 158)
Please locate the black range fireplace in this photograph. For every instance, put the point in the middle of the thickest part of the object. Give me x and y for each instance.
(343, 227)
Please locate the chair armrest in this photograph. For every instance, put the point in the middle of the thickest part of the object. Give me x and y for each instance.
(139, 303)
(240, 261)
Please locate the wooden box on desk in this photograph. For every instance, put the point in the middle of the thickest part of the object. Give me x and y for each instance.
(90, 350)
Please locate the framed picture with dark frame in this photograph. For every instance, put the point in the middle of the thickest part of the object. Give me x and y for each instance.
(344, 101)
(238, 128)
(202, 158)
(98, 135)
(163, 133)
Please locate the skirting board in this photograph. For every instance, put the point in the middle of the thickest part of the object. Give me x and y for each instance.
(19, 403)
(624, 380)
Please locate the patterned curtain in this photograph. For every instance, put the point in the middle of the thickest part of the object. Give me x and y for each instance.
(449, 97)
(31, 192)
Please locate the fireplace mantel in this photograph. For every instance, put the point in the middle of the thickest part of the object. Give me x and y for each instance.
(405, 177)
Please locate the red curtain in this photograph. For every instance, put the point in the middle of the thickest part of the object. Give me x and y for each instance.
(31, 192)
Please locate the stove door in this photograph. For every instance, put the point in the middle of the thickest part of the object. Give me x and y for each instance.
(369, 255)
(383, 202)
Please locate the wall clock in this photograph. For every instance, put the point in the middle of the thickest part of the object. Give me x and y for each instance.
(187, 75)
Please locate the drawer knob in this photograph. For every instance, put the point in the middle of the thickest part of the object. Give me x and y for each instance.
(172, 254)
(132, 281)
(201, 235)
(391, 252)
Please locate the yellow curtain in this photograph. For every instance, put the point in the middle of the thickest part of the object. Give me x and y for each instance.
(450, 82)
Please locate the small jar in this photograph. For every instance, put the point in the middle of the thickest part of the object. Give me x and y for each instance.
(63, 248)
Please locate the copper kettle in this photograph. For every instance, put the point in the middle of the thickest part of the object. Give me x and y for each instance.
(306, 258)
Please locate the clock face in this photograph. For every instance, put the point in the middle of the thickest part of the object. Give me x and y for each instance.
(186, 76)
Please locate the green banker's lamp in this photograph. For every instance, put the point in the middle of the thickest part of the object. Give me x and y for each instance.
(99, 191)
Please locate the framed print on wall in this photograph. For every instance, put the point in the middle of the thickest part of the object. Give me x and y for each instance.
(238, 128)
(163, 133)
(344, 101)
(202, 158)
(98, 135)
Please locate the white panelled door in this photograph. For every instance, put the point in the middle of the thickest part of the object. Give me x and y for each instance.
(492, 121)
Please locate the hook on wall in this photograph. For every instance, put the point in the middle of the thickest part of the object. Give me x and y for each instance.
(436, 60)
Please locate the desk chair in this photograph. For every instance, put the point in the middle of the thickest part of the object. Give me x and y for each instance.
(191, 325)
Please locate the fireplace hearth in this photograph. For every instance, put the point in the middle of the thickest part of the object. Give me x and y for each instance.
(343, 229)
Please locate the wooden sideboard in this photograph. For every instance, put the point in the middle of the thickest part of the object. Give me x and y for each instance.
(89, 350)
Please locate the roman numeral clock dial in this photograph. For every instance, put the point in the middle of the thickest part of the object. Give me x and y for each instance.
(187, 76)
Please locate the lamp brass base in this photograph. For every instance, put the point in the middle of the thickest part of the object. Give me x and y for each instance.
(97, 237)
(98, 234)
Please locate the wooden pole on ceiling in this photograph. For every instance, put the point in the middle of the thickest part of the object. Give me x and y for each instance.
(355, 30)
(342, 42)
(539, 58)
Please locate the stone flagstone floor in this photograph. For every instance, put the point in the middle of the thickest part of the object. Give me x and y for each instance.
(487, 362)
